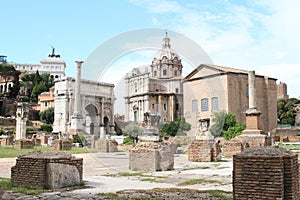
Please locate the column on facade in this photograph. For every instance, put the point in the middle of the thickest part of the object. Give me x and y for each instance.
(159, 104)
(102, 134)
(171, 108)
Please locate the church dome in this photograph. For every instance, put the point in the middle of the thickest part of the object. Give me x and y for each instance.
(166, 51)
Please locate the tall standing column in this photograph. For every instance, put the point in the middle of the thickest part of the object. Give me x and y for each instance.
(252, 90)
(76, 119)
(252, 114)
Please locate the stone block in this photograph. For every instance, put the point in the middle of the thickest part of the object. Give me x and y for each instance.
(62, 175)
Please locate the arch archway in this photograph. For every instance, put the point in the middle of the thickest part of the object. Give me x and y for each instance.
(91, 119)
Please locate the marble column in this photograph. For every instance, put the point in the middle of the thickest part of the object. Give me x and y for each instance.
(76, 119)
(21, 121)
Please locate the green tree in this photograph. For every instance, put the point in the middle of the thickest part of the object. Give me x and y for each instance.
(36, 84)
(46, 127)
(14, 90)
(47, 116)
(9, 73)
(133, 131)
(218, 123)
(233, 131)
(286, 112)
(225, 125)
(177, 127)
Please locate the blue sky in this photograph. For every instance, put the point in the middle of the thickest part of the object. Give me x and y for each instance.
(255, 35)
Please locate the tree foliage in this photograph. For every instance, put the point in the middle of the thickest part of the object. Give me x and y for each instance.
(47, 116)
(176, 127)
(46, 127)
(286, 112)
(225, 125)
(9, 73)
(133, 131)
(36, 84)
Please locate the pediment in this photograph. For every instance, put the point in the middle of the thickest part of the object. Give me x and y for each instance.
(204, 71)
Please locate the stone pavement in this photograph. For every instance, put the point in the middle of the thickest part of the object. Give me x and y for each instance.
(101, 175)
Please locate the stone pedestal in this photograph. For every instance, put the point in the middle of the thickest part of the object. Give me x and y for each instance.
(24, 144)
(265, 173)
(151, 156)
(204, 151)
(62, 144)
(106, 145)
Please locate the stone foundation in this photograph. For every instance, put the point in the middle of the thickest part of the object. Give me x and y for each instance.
(204, 151)
(244, 141)
(6, 141)
(62, 144)
(24, 144)
(106, 145)
(265, 173)
(47, 170)
(151, 156)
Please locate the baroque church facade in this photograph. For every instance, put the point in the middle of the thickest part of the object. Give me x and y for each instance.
(156, 88)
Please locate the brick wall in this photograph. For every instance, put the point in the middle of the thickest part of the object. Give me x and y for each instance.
(231, 148)
(265, 173)
(24, 144)
(62, 144)
(31, 169)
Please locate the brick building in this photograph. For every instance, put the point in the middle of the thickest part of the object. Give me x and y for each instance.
(212, 88)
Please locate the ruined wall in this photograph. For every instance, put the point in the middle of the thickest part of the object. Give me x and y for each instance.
(24, 144)
(33, 170)
(148, 156)
(62, 144)
(106, 145)
(265, 173)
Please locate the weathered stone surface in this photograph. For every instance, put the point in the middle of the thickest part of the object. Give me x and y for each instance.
(31, 169)
(204, 151)
(151, 156)
(62, 175)
(106, 145)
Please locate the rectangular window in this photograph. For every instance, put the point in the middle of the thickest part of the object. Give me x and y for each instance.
(204, 104)
(165, 72)
(194, 105)
(177, 106)
(165, 107)
(153, 106)
(176, 90)
(214, 104)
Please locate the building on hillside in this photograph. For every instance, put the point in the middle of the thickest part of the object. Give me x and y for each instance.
(211, 88)
(282, 91)
(156, 88)
(45, 100)
(97, 103)
(52, 65)
(2, 59)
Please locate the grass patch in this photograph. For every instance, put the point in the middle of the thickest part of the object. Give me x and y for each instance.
(150, 179)
(219, 194)
(11, 152)
(198, 181)
(5, 184)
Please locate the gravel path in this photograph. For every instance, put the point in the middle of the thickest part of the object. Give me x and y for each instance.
(101, 174)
